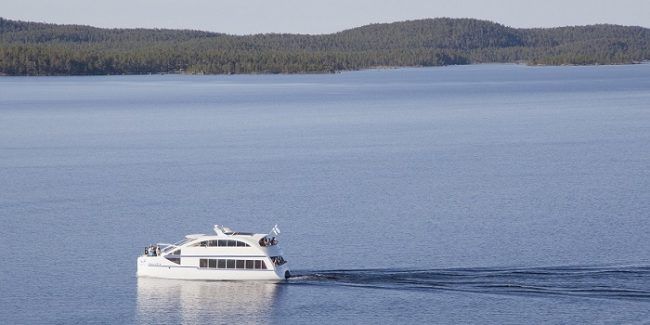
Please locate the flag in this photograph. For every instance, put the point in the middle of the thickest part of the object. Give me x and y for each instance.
(275, 231)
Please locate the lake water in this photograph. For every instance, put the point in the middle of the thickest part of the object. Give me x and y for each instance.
(471, 194)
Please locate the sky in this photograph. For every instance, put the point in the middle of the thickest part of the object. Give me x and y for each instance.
(319, 17)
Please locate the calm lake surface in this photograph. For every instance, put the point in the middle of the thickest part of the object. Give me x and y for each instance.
(474, 194)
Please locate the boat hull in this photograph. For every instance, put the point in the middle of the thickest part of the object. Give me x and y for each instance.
(156, 267)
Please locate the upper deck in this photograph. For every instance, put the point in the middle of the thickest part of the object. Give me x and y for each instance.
(224, 242)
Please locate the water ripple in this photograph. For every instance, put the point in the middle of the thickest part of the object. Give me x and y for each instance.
(610, 282)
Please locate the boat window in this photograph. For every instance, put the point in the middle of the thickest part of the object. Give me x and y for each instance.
(232, 264)
(176, 260)
(174, 256)
(221, 264)
(221, 243)
(240, 264)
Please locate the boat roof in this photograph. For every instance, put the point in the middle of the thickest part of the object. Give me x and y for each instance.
(230, 235)
(223, 232)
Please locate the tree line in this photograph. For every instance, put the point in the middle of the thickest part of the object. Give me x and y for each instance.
(28, 48)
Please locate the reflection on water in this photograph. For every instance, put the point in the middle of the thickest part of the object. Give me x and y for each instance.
(162, 301)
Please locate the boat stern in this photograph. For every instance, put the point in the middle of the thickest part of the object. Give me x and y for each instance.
(283, 272)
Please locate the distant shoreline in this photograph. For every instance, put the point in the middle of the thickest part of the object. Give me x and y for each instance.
(386, 68)
(40, 49)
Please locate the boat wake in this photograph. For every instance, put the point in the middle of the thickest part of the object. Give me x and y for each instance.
(610, 282)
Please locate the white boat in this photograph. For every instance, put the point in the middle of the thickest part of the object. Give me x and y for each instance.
(225, 255)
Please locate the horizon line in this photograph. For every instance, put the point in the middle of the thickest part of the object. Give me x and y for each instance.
(314, 34)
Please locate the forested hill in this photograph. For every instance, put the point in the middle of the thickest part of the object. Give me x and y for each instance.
(28, 48)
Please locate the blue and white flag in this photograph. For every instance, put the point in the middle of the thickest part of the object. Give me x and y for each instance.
(275, 231)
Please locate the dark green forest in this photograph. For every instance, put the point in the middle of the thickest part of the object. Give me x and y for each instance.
(28, 48)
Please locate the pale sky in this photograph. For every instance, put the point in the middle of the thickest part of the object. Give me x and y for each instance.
(317, 17)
